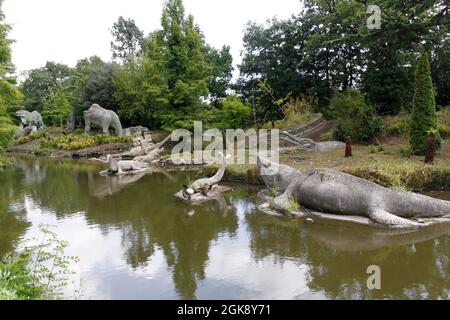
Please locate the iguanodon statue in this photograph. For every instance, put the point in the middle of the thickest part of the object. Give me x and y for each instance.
(331, 191)
(30, 118)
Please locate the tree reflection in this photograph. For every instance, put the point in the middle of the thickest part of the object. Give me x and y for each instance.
(147, 214)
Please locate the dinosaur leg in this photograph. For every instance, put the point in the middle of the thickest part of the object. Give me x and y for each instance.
(386, 218)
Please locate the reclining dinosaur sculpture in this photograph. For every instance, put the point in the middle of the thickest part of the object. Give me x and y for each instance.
(200, 189)
(121, 167)
(331, 191)
(143, 149)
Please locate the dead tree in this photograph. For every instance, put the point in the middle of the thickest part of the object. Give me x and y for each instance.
(348, 147)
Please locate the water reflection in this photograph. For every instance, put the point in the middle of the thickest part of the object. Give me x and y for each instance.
(136, 240)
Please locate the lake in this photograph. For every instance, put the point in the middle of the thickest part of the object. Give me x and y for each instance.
(135, 240)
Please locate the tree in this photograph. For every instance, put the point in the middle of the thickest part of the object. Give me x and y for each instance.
(169, 84)
(41, 83)
(11, 99)
(233, 114)
(221, 62)
(423, 118)
(56, 109)
(128, 40)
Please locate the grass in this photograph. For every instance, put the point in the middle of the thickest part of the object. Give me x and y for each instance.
(398, 125)
(388, 166)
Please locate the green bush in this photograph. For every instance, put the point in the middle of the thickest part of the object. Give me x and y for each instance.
(76, 142)
(354, 117)
(423, 116)
(26, 275)
(234, 114)
(56, 109)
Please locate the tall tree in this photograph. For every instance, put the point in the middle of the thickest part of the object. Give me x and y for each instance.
(169, 84)
(423, 118)
(10, 97)
(41, 83)
(128, 40)
(56, 109)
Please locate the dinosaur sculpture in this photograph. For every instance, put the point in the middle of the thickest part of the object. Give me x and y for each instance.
(335, 192)
(99, 117)
(310, 145)
(30, 118)
(146, 147)
(121, 167)
(203, 186)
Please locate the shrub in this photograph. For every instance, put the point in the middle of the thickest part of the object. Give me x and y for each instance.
(423, 116)
(444, 123)
(76, 142)
(39, 271)
(297, 111)
(376, 148)
(234, 114)
(56, 109)
(354, 117)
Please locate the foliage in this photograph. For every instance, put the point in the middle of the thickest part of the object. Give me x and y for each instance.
(376, 148)
(10, 97)
(41, 83)
(354, 117)
(39, 271)
(327, 47)
(56, 109)
(423, 116)
(76, 142)
(233, 114)
(128, 40)
(297, 112)
(169, 84)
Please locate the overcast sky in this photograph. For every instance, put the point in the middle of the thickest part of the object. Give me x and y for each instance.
(67, 30)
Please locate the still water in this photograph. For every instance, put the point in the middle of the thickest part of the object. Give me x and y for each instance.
(135, 240)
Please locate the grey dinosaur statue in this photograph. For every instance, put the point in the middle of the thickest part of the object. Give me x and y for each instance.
(331, 191)
(121, 167)
(30, 118)
(203, 186)
(311, 145)
(146, 147)
(97, 116)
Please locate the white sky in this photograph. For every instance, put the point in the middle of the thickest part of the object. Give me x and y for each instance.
(67, 30)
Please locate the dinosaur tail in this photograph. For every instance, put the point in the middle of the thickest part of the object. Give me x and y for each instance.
(410, 204)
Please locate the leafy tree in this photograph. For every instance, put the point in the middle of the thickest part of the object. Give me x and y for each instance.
(99, 87)
(41, 83)
(56, 109)
(423, 116)
(355, 118)
(11, 99)
(168, 86)
(128, 40)
(221, 62)
(233, 114)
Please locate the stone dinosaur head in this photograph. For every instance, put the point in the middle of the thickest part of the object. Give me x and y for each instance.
(275, 175)
(23, 115)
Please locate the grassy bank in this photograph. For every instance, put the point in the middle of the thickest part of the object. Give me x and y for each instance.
(386, 165)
